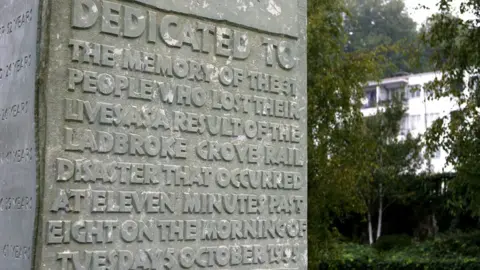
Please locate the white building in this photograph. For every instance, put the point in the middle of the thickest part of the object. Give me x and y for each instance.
(420, 111)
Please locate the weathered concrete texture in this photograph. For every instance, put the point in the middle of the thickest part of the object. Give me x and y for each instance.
(274, 16)
(174, 141)
(18, 22)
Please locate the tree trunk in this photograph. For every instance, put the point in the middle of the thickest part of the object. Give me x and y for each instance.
(370, 232)
(380, 213)
(434, 225)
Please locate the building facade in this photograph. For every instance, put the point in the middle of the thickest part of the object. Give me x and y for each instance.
(421, 111)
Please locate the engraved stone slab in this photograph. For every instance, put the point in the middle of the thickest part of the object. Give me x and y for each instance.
(175, 137)
(18, 28)
(274, 16)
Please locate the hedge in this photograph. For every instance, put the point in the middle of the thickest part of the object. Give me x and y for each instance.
(470, 264)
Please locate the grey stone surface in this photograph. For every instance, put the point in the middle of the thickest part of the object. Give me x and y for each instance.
(173, 141)
(18, 27)
(274, 16)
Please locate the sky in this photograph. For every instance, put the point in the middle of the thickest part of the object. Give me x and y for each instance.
(419, 14)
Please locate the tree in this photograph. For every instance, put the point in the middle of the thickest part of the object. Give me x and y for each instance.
(456, 55)
(335, 87)
(389, 159)
(336, 150)
(378, 22)
(385, 24)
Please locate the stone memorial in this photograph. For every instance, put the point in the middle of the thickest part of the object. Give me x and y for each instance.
(171, 134)
(18, 30)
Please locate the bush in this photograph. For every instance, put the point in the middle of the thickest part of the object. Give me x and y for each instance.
(454, 245)
(389, 242)
(470, 264)
(460, 251)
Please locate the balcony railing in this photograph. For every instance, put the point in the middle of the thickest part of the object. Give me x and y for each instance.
(370, 104)
(384, 102)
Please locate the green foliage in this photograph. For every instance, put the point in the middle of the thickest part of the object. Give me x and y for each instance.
(389, 242)
(456, 264)
(341, 159)
(454, 245)
(385, 24)
(393, 157)
(338, 153)
(456, 54)
(335, 87)
(378, 22)
(453, 251)
(353, 251)
(387, 160)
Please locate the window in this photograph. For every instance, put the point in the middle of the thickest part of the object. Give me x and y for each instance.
(429, 93)
(414, 122)
(371, 99)
(437, 154)
(405, 124)
(397, 93)
(415, 91)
